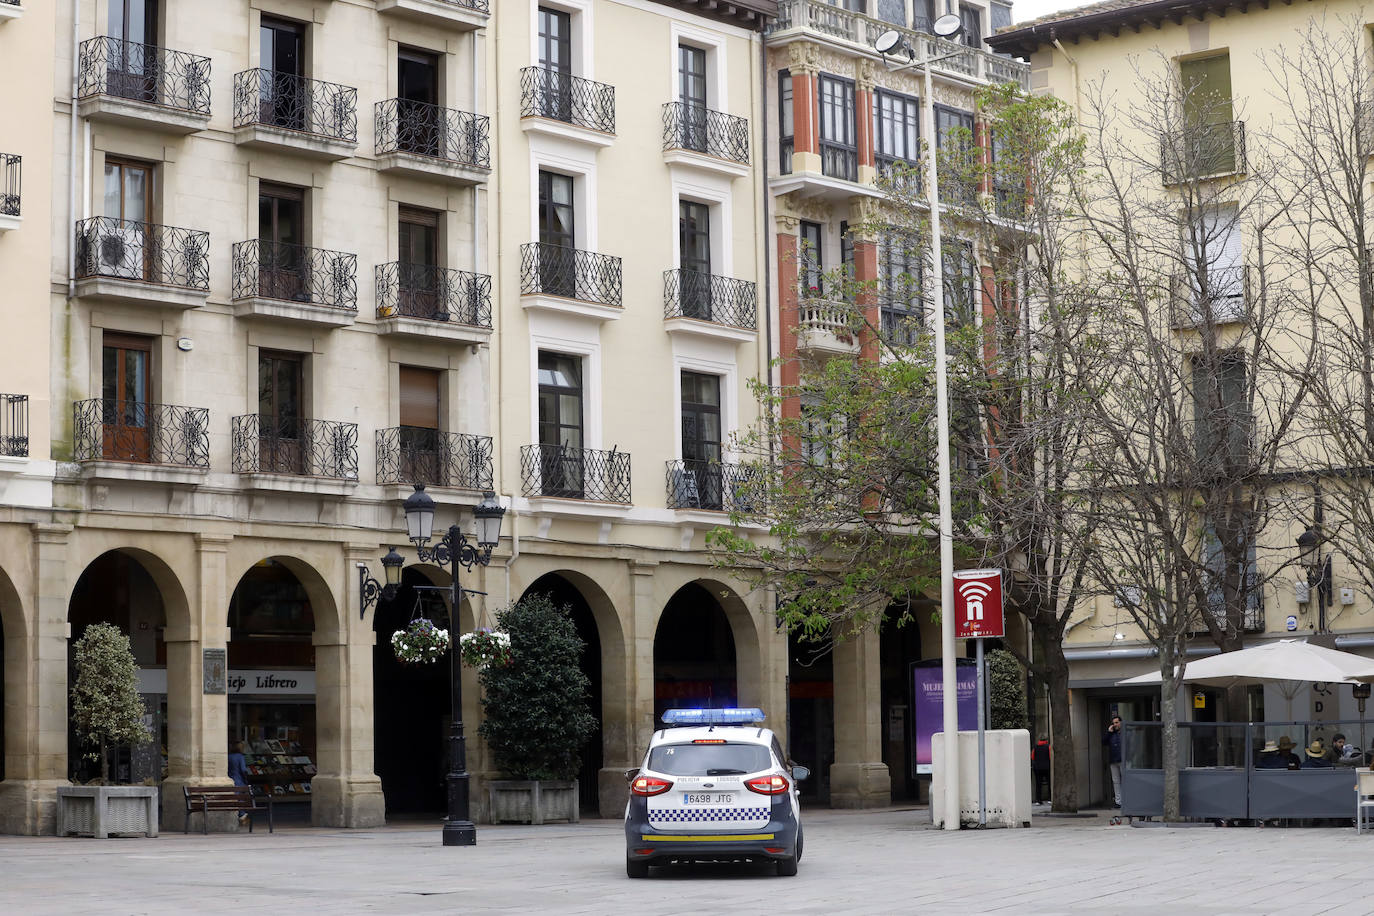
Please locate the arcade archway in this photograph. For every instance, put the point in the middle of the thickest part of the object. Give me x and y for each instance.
(694, 653)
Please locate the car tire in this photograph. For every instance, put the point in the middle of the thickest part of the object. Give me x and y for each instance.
(787, 867)
(799, 844)
(636, 869)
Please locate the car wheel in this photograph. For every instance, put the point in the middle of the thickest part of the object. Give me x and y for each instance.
(787, 867)
(636, 869)
(799, 844)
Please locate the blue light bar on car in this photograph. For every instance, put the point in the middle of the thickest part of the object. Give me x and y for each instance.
(730, 716)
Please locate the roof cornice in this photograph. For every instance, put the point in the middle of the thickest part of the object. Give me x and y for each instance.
(751, 14)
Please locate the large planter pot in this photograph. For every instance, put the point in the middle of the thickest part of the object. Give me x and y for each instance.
(512, 801)
(104, 811)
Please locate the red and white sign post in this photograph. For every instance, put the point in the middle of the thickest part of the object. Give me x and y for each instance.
(978, 615)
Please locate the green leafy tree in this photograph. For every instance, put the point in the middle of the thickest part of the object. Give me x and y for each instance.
(536, 709)
(106, 708)
(1006, 691)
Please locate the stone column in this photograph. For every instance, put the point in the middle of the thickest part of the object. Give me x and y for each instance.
(804, 65)
(624, 719)
(36, 693)
(863, 127)
(864, 216)
(858, 777)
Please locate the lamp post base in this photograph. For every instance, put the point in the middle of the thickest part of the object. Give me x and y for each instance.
(460, 833)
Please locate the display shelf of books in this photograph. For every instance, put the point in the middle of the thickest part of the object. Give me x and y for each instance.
(281, 769)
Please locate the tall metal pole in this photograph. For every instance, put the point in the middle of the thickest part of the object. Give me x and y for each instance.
(949, 679)
(459, 830)
(982, 737)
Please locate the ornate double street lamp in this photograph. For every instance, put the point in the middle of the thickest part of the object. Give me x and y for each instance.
(454, 550)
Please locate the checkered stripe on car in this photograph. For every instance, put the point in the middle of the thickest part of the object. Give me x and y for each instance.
(695, 815)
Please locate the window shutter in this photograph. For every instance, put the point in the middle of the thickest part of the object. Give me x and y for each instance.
(420, 397)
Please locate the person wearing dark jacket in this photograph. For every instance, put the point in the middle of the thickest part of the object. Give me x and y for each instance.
(1316, 756)
(1112, 739)
(1040, 769)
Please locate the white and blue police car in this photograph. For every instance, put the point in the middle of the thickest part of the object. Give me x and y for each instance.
(715, 786)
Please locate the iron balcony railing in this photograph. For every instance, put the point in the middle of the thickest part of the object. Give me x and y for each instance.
(290, 445)
(433, 294)
(112, 430)
(414, 454)
(276, 99)
(839, 161)
(553, 270)
(481, 6)
(146, 252)
(403, 126)
(1203, 151)
(901, 325)
(706, 297)
(144, 73)
(276, 270)
(701, 130)
(721, 486)
(1217, 295)
(11, 183)
(575, 473)
(546, 93)
(14, 425)
(860, 32)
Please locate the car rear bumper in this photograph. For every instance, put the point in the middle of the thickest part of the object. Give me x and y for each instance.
(647, 843)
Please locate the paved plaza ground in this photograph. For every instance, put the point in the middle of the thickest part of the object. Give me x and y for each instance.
(888, 861)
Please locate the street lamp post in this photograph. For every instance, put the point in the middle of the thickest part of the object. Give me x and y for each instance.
(947, 26)
(453, 550)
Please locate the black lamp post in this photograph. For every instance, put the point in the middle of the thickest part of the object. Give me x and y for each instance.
(1318, 571)
(453, 550)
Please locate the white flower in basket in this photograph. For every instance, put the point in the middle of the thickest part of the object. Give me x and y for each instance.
(485, 646)
(420, 643)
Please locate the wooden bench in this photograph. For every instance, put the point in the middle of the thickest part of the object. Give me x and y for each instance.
(224, 798)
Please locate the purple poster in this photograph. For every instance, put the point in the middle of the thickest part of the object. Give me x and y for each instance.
(927, 707)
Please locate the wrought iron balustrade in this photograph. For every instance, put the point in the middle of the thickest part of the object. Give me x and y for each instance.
(11, 183)
(413, 454)
(1203, 151)
(1217, 295)
(480, 6)
(901, 324)
(546, 93)
(276, 270)
(706, 297)
(14, 425)
(433, 294)
(137, 431)
(11, 2)
(146, 252)
(289, 445)
(290, 102)
(403, 126)
(575, 473)
(553, 270)
(701, 130)
(144, 73)
(721, 486)
(839, 161)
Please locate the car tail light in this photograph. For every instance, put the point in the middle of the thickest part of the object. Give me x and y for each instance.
(649, 785)
(767, 785)
(708, 741)
(774, 849)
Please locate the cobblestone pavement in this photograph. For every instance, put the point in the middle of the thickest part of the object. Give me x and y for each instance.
(888, 861)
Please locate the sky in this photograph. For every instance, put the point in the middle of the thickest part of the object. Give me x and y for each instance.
(1033, 9)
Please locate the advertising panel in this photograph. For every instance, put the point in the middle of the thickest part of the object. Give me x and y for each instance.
(927, 706)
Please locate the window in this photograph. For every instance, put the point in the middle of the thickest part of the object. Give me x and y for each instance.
(691, 77)
(418, 275)
(418, 128)
(694, 243)
(701, 438)
(284, 96)
(896, 131)
(557, 235)
(1215, 266)
(280, 390)
(555, 63)
(819, 430)
(785, 128)
(954, 130)
(846, 249)
(1221, 412)
(972, 18)
(132, 68)
(1209, 135)
(125, 391)
(893, 11)
(1247, 580)
(282, 272)
(901, 266)
(839, 145)
(809, 235)
(124, 248)
(419, 434)
(961, 285)
(560, 425)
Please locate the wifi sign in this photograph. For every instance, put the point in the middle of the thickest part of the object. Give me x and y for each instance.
(978, 603)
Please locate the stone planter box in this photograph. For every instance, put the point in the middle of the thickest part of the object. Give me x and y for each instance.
(513, 801)
(104, 811)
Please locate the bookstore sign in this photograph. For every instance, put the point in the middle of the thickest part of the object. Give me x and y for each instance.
(271, 682)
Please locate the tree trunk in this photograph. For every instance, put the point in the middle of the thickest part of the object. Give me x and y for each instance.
(1064, 763)
(1169, 743)
(104, 763)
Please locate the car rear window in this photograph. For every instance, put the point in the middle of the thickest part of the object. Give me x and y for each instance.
(709, 759)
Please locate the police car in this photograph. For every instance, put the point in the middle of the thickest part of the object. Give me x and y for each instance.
(715, 785)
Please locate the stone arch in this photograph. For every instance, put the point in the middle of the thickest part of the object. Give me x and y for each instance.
(13, 630)
(324, 606)
(176, 606)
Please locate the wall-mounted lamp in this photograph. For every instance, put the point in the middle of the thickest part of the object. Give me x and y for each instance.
(370, 589)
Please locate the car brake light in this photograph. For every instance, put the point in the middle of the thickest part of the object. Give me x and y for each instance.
(767, 785)
(708, 741)
(650, 785)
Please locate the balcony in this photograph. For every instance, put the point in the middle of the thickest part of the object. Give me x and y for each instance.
(826, 328)
(817, 19)
(267, 449)
(283, 111)
(1214, 297)
(10, 9)
(560, 472)
(411, 454)
(571, 281)
(1203, 151)
(567, 106)
(710, 305)
(714, 486)
(414, 138)
(460, 15)
(280, 282)
(125, 82)
(142, 263)
(433, 303)
(705, 139)
(11, 184)
(139, 441)
(14, 426)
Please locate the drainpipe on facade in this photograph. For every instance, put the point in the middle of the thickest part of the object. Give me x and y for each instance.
(768, 236)
(71, 153)
(1077, 107)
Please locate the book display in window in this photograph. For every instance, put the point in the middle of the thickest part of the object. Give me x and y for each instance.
(281, 769)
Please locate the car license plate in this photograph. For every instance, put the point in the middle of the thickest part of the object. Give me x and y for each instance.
(708, 798)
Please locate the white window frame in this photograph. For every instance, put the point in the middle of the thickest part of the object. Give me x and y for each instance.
(718, 197)
(713, 43)
(580, 43)
(559, 334)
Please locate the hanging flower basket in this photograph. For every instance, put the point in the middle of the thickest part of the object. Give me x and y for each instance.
(420, 643)
(485, 646)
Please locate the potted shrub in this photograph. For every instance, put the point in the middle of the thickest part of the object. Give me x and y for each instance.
(535, 715)
(107, 713)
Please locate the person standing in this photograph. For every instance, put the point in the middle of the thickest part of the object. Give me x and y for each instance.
(1040, 769)
(1112, 739)
(238, 770)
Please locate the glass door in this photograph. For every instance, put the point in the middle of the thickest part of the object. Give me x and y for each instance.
(421, 455)
(418, 248)
(694, 241)
(280, 440)
(284, 99)
(691, 77)
(282, 271)
(701, 436)
(557, 235)
(123, 248)
(417, 100)
(555, 64)
(132, 69)
(560, 426)
(124, 391)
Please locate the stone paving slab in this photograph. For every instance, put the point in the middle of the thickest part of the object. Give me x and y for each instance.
(888, 861)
